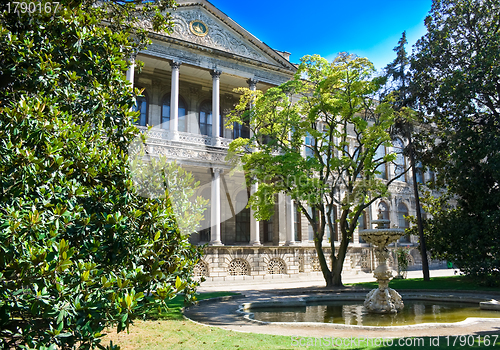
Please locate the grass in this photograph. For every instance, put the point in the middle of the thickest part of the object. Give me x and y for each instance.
(173, 331)
(449, 282)
(187, 335)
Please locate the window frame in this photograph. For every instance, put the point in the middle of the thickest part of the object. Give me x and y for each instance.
(165, 120)
(145, 98)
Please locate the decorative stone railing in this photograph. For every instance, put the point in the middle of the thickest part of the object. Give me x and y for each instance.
(185, 137)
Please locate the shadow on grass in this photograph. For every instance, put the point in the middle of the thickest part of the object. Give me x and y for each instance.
(174, 311)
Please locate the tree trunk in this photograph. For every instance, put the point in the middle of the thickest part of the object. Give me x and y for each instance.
(338, 264)
(423, 248)
(337, 274)
(322, 262)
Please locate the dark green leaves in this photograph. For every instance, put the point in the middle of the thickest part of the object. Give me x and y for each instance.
(80, 248)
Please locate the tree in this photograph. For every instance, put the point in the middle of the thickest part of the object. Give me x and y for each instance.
(80, 248)
(398, 74)
(335, 112)
(456, 80)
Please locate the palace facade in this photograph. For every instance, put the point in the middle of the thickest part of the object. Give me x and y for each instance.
(188, 80)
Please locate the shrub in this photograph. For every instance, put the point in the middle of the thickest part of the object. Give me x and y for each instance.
(80, 248)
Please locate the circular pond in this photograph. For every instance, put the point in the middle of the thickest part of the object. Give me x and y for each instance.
(354, 313)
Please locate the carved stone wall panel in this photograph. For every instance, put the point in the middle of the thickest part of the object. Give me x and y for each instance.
(201, 269)
(239, 267)
(183, 153)
(276, 266)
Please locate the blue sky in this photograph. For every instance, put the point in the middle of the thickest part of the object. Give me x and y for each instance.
(367, 28)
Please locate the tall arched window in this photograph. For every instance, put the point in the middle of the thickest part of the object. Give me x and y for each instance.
(205, 118)
(399, 163)
(382, 168)
(297, 227)
(141, 105)
(165, 113)
(419, 173)
(310, 228)
(268, 229)
(242, 228)
(403, 222)
(309, 142)
(241, 130)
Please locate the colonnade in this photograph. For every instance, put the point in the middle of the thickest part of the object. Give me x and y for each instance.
(216, 173)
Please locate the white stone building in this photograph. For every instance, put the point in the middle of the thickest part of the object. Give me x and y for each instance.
(188, 80)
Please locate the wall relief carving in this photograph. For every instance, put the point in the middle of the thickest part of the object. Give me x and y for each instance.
(217, 36)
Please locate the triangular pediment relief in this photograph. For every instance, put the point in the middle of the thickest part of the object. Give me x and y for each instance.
(222, 33)
(218, 35)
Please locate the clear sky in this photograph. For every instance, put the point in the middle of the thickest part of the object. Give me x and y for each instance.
(368, 28)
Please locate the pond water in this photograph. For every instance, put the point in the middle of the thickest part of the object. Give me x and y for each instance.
(354, 313)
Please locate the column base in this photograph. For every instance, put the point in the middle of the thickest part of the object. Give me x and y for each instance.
(255, 243)
(290, 244)
(215, 244)
(215, 141)
(174, 135)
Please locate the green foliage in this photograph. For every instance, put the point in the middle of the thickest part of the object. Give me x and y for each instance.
(334, 109)
(456, 80)
(402, 256)
(80, 248)
(462, 239)
(458, 282)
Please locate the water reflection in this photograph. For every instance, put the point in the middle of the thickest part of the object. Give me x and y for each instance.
(354, 313)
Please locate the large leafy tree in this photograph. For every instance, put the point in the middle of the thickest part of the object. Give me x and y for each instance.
(80, 248)
(315, 138)
(456, 79)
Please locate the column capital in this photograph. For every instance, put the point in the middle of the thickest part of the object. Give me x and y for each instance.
(218, 170)
(215, 73)
(252, 83)
(175, 64)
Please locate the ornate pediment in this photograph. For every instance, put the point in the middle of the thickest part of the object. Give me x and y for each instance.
(200, 23)
(197, 26)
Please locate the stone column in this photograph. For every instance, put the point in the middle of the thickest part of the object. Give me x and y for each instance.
(130, 72)
(254, 224)
(174, 99)
(215, 238)
(215, 105)
(282, 226)
(290, 221)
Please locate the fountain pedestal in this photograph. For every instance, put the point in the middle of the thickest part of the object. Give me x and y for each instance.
(382, 300)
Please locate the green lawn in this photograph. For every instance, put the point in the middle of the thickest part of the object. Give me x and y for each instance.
(171, 331)
(187, 335)
(450, 282)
